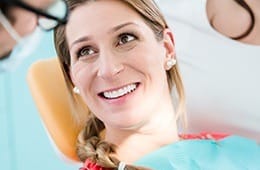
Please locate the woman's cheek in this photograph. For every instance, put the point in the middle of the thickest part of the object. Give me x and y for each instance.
(76, 70)
(83, 76)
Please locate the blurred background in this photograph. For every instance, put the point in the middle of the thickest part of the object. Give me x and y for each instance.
(24, 143)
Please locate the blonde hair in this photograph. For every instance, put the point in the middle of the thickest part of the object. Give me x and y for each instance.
(90, 145)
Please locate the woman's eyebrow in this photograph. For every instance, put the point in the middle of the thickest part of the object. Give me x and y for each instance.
(81, 39)
(118, 27)
(114, 29)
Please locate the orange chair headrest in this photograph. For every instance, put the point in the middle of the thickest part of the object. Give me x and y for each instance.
(51, 96)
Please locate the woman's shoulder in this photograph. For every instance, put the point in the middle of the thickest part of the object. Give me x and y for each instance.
(205, 151)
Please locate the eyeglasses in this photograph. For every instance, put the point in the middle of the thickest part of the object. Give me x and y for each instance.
(49, 16)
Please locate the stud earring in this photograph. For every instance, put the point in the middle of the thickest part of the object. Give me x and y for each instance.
(170, 63)
(76, 90)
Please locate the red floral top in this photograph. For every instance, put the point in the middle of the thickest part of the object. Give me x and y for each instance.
(204, 135)
(89, 165)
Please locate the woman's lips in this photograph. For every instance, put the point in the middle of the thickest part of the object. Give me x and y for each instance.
(120, 92)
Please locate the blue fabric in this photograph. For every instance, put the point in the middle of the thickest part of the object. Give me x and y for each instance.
(230, 153)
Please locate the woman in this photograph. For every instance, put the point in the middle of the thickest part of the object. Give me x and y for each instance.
(218, 49)
(119, 57)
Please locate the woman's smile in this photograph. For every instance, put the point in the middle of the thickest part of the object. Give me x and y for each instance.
(119, 95)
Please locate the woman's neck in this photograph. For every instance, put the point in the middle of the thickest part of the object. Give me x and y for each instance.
(159, 130)
(138, 145)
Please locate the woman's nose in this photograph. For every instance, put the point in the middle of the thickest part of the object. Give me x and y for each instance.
(110, 65)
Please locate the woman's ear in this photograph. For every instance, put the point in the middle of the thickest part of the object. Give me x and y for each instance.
(168, 41)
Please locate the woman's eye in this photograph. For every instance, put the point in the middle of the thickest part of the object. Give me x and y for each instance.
(125, 38)
(85, 51)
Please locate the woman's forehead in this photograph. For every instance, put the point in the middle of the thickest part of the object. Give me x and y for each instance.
(100, 16)
(114, 9)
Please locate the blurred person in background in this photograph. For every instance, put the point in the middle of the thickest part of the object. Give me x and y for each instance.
(22, 23)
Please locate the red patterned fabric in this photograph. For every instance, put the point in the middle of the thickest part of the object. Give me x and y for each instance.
(89, 165)
(204, 135)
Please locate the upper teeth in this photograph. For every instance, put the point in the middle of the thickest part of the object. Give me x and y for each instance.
(120, 92)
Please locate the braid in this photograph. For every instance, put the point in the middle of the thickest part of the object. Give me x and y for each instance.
(90, 146)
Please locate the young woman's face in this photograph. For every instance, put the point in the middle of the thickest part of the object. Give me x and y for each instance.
(116, 62)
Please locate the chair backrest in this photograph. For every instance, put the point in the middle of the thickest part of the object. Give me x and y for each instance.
(50, 94)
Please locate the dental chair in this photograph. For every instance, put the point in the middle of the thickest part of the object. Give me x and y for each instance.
(50, 94)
